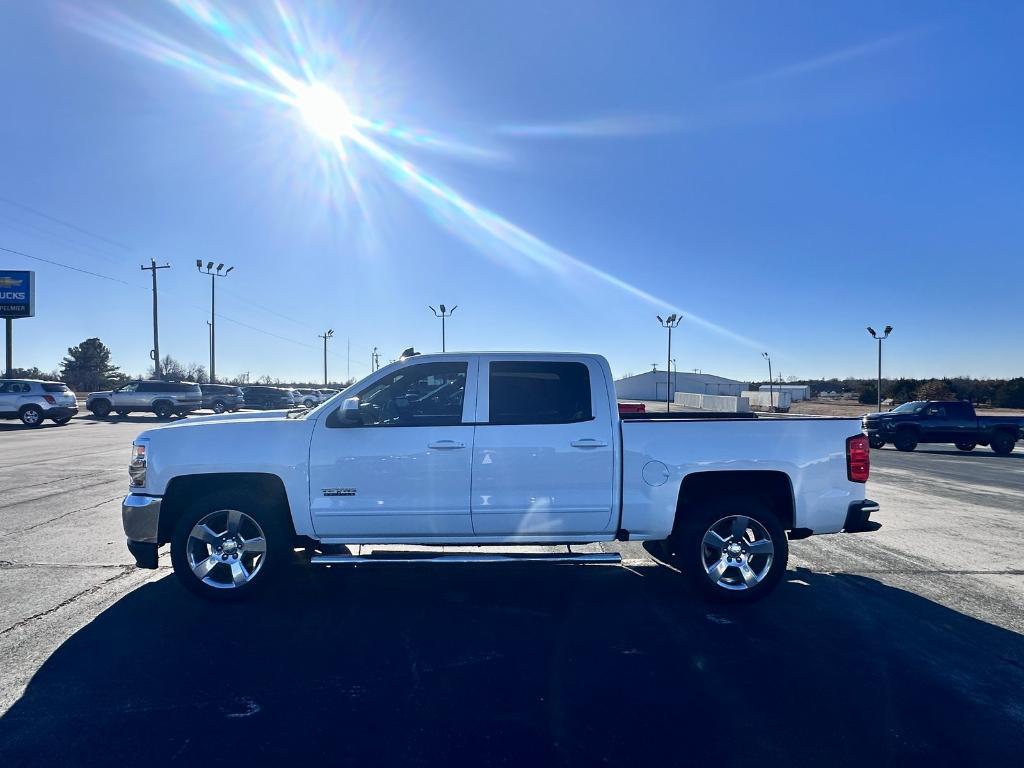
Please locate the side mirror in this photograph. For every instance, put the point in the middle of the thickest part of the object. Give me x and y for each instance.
(350, 410)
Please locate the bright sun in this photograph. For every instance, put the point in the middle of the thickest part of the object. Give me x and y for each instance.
(324, 111)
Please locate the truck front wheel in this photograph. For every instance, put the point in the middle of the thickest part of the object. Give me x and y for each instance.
(734, 552)
(228, 546)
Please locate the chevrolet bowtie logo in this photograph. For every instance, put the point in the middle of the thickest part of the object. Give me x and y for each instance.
(9, 282)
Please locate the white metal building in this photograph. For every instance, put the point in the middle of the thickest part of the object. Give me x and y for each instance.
(652, 385)
(796, 391)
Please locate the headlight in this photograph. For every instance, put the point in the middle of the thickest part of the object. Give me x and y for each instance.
(137, 466)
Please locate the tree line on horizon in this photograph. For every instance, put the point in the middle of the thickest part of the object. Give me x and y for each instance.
(89, 366)
(998, 393)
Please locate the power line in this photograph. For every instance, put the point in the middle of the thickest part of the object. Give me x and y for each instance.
(69, 243)
(132, 285)
(67, 224)
(68, 266)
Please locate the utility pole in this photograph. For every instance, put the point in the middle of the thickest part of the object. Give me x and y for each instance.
(885, 335)
(214, 274)
(443, 314)
(156, 325)
(374, 360)
(771, 383)
(670, 322)
(329, 333)
(348, 359)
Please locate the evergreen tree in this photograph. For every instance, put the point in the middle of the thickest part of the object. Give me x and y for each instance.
(87, 367)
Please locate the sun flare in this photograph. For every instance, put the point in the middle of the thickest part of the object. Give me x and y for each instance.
(324, 111)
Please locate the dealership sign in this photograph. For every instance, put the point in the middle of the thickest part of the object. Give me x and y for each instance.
(17, 293)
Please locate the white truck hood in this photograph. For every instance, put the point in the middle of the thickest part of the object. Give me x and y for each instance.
(266, 415)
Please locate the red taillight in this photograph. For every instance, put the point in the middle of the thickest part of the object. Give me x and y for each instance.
(49, 399)
(858, 458)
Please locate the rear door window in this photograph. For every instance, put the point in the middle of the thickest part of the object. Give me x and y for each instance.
(539, 392)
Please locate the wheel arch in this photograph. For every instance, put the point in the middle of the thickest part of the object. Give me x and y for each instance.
(182, 491)
(773, 488)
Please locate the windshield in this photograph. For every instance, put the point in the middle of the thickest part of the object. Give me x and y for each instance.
(911, 407)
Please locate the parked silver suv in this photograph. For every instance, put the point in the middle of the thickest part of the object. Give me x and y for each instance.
(164, 398)
(34, 401)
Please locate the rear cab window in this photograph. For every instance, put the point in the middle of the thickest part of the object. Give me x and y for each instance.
(539, 392)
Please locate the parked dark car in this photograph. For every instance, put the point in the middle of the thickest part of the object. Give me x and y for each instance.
(268, 397)
(222, 397)
(942, 421)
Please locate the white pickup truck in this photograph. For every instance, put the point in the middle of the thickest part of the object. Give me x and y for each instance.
(490, 449)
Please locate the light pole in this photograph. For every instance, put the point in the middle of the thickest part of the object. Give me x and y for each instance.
(214, 274)
(771, 384)
(670, 322)
(885, 335)
(325, 336)
(443, 314)
(374, 360)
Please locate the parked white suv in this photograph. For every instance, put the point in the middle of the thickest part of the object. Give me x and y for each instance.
(307, 397)
(164, 398)
(34, 401)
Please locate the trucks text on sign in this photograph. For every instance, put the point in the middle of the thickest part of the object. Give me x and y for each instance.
(17, 293)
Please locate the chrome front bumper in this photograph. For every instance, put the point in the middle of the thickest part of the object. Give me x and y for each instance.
(140, 516)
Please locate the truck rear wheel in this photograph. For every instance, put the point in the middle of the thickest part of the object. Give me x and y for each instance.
(965, 446)
(735, 551)
(228, 546)
(905, 440)
(876, 442)
(1003, 443)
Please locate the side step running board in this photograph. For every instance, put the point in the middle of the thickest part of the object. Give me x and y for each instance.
(383, 558)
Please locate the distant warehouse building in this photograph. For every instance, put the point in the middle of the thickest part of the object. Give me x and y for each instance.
(653, 385)
(796, 392)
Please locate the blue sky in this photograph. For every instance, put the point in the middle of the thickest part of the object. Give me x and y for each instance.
(783, 174)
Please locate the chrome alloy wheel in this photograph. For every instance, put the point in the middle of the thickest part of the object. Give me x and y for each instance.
(737, 552)
(230, 559)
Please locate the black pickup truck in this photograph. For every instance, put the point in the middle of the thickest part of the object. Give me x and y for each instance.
(942, 421)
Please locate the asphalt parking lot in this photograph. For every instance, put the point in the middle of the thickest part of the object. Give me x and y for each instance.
(902, 645)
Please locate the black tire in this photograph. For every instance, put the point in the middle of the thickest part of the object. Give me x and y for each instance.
(876, 442)
(686, 550)
(219, 406)
(965, 446)
(1003, 443)
(275, 530)
(309, 403)
(905, 440)
(31, 416)
(100, 408)
(62, 421)
(163, 409)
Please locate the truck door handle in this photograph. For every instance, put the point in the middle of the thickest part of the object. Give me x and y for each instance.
(446, 445)
(588, 442)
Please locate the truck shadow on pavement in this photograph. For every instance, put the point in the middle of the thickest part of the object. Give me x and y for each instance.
(540, 665)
